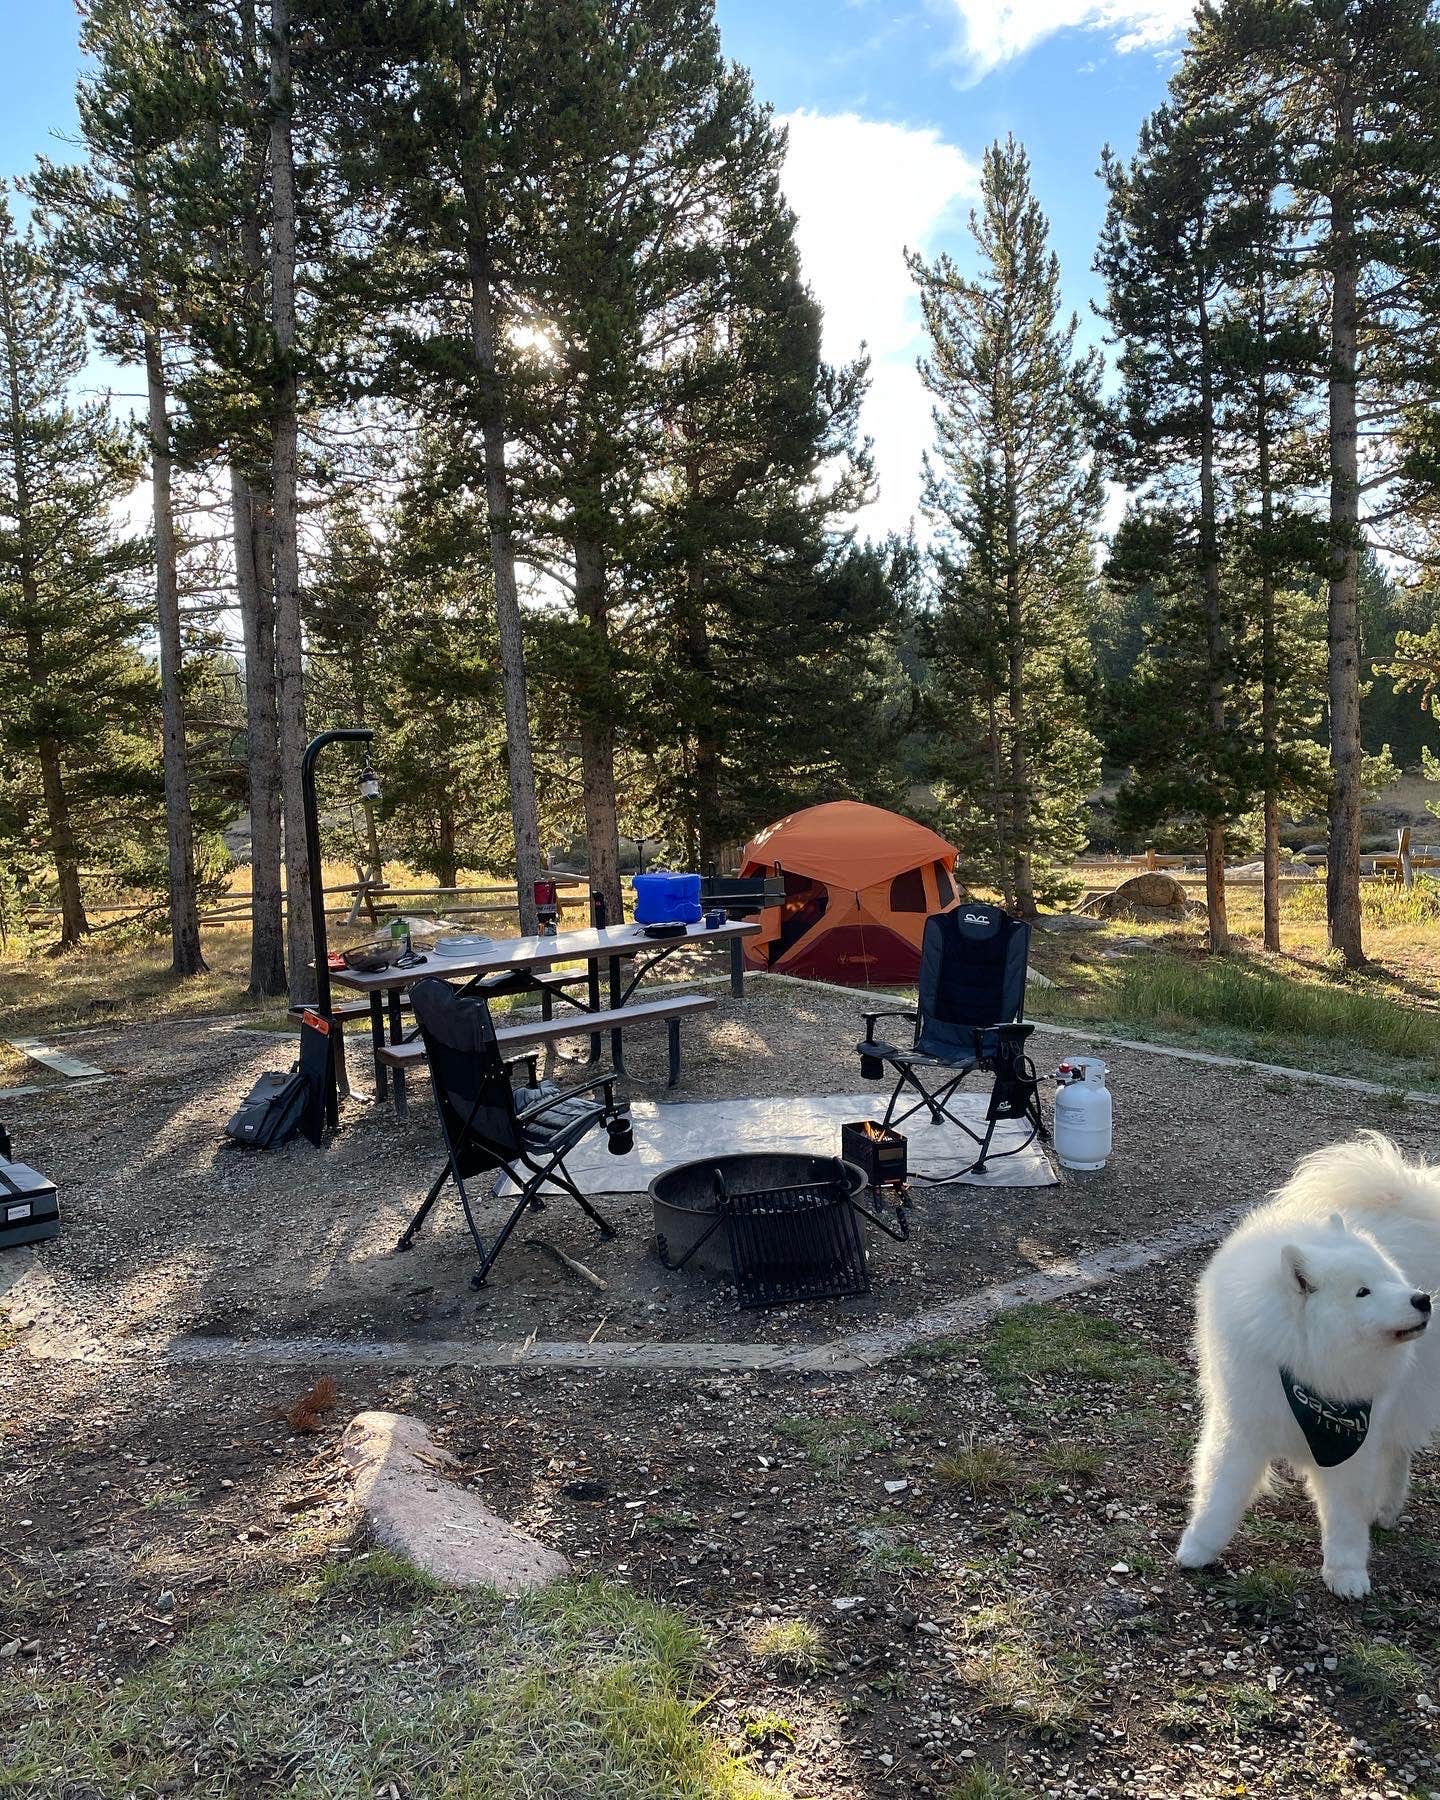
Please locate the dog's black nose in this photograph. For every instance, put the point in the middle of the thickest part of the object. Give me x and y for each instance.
(1421, 1302)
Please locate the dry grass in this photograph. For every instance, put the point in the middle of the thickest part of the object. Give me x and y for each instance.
(124, 973)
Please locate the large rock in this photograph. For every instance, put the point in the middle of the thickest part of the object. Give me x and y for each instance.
(405, 1487)
(1150, 895)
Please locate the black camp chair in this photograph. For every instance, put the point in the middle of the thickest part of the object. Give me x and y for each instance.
(488, 1124)
(973, 963)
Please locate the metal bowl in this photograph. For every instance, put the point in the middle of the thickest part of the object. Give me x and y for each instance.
(369, 959)
(683, 1199)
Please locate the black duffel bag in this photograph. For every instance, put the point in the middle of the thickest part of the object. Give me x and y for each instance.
(271, 1112)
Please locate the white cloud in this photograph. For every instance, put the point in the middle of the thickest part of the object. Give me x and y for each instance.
(864, 191)
(997, 30)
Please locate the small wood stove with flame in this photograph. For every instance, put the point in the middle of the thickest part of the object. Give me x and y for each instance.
(880, 1152)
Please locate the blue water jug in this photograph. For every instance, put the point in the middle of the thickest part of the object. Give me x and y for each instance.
(661, 896)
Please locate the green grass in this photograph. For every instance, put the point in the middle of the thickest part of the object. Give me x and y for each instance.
(906, 1412)
(1377, 1670)
(1068, 1461)
(1194, 1709)
(1270, 1011)
(1015, 1671)
(981, 1469)
(1034, 1344)
(585, 1690)
(885, 1552)
(831, 1444)
(937, 1350)
(790, 1647)
(1382, 905)
(1268, 1588)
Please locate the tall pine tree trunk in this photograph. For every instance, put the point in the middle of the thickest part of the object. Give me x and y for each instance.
(524, 808)
(63, 851)
(1215, 905)
(1269, 703)
(597, 735)
(1342, 871)
(1269, 669)
(447, 863)
(1024, 878)
(185, 953)
(697, 653)
(262, 730)
(254, 589)
(289, 634)
(1004, 862)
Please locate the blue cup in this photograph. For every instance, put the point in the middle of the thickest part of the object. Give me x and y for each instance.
(715, 918)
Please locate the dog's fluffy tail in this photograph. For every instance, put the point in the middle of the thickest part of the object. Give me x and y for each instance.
(1367, 1171)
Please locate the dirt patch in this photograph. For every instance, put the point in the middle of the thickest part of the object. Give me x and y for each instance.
(958, 1561)
(961, 1560)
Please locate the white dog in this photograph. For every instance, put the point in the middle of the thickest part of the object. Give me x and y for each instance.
(1311, 1331)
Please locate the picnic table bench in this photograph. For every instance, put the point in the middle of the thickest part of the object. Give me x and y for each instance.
(530, 1033)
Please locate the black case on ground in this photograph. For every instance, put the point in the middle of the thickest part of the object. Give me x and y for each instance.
(29, 1205)
(271, 1112)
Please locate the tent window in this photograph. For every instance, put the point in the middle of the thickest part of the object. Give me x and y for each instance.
(944, 886)
(802, 909)
(907, 892)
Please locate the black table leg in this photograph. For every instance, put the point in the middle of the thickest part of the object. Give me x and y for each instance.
(737, 968)
(617, 1045)
(397, 1033)
(592, 996)
(377, 1043)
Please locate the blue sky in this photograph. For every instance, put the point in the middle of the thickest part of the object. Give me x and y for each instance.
(890, 105)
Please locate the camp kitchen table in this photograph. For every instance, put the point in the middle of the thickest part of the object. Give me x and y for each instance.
(614, 945)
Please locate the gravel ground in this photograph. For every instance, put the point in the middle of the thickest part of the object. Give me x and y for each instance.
(1011, 1607)
(170, 1230)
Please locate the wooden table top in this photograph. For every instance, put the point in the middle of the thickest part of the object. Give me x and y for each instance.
(609, 945)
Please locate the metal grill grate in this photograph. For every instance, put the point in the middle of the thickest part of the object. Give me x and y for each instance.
(794, 1243)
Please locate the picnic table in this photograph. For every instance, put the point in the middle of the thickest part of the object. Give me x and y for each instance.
(533, 957)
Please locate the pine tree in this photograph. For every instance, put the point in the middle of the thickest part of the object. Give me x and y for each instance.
(102, 228)
(649, 133)
(76, 698)
(765, 630)
(1353, 87)
(198, 88)
(443, 139)
(1016, 495)
(1162, 257)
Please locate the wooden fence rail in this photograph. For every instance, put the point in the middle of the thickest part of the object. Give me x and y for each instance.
(233, 908)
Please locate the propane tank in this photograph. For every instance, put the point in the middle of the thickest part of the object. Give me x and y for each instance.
(1083, 1115)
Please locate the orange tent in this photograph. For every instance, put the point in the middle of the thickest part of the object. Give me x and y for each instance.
(860, 883)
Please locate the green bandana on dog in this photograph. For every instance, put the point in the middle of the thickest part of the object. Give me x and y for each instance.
(1333, 1429)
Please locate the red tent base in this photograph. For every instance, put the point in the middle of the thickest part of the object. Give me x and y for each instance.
(867, 956)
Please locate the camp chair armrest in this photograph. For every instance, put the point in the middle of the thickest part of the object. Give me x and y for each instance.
(902, 1012)
(1007, 1027)
(605, 1082)
(529, 1060)
(906, 1012)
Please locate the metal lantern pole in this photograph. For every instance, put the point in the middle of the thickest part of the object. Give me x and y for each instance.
(354, 734)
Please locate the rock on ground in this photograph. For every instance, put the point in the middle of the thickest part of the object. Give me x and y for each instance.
(1150, 895)
(405, 1488)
